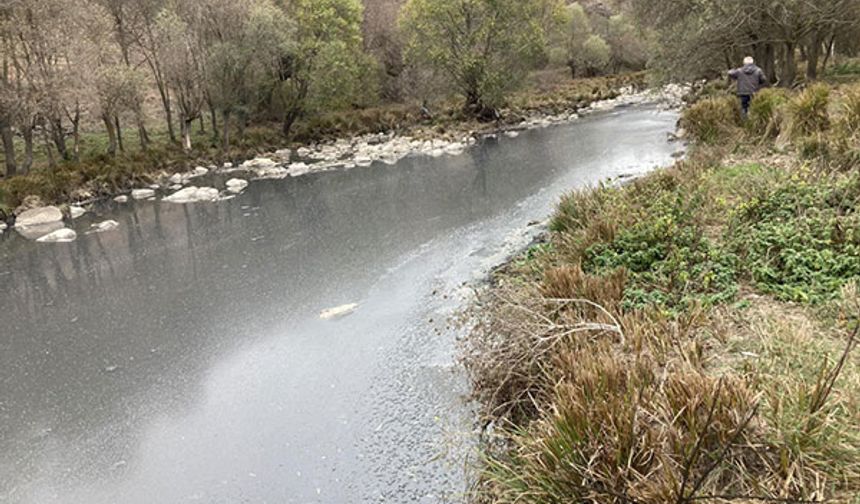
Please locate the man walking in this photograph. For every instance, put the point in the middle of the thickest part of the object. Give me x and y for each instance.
(750, 80)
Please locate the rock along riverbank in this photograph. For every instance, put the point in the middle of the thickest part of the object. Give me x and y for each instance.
(341, 154)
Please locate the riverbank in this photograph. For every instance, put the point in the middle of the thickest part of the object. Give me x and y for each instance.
(102, 177)
(690, 336)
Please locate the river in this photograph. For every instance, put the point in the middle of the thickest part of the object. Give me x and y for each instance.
(181, 357)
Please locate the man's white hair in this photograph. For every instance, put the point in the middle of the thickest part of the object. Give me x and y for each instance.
(749, 60)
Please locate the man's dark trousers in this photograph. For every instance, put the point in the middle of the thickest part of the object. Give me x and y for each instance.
(745, 104)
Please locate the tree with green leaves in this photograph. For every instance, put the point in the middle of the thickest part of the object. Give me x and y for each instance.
(326, 68)
(576, 33)
(484, 48)
(595, 56)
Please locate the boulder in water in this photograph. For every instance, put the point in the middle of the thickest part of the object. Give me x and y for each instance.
(236, 185)
(261, 162)
(62, 235)
(299, 169)
(38, 231)
(39, 216)
(121, 199)
(141, 194)
(194, 195)
(76, 211)
(271, 172)
(101, 227)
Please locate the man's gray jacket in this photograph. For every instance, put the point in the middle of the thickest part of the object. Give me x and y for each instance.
(750, 79)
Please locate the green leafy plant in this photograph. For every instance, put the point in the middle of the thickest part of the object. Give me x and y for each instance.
(800, 241)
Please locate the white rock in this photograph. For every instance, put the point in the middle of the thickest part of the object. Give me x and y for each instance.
(193, 195)
(101, 227)
(455, 149)
(236, 185)
(39, 216)
(299, 169)
(39, 230)
(121, 199)
(259, 163)
(271, 172)
(303, 152)
(177, 178)
(76, 211)
(512, 134)
(199, 171)
(175, 187)
(64, 235)
(363, 161)
(283, 154)
(228, 165)
(140, 194)
(338, 312)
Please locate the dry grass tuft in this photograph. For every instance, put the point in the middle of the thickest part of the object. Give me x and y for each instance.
(712, 120)
(808, 113)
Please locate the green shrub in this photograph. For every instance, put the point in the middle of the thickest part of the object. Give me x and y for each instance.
(807, 112)
(712, 119)
(847, 68)
(668, 260)
(800, 241)
(765, 118)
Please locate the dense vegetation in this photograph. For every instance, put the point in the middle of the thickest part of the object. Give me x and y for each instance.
(74, 68)
(689, 337)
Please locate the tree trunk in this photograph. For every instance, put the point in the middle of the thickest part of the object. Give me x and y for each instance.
(185, 124)
(828, 53)
(225, 126)
(764, 55)
(142, 134)
(572, 66)
(168, 109)
(813, 54)
(27, 132)
(243, 123)
(770, 63)
(111, 131)
(214, 118)
(289, 120)
(76, 137)
(48, 150)
(59, 137)
(789, 66)
(8, 148)
(118, 134)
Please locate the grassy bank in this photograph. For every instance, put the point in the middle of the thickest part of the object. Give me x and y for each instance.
(98, 175)
(688, 337)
